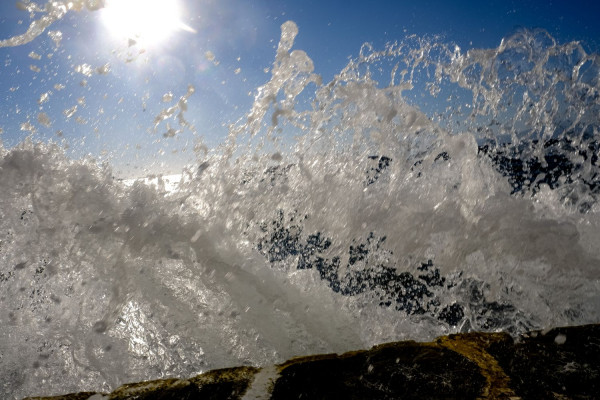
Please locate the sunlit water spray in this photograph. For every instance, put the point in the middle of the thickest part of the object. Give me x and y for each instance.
(338, 215)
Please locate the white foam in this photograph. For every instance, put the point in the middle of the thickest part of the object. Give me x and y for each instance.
(107, 281)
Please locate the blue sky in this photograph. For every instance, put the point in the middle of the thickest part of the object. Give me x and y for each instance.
(116, 111)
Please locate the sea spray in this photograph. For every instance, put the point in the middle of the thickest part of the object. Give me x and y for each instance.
(338, 215)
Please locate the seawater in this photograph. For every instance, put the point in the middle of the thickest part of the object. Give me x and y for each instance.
(335, 216)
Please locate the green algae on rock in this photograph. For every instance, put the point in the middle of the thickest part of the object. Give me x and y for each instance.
(562, 363)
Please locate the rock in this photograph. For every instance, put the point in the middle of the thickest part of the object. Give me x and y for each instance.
(405, 370)
(562, 363)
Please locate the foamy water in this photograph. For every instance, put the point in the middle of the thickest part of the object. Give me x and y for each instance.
(337, 215)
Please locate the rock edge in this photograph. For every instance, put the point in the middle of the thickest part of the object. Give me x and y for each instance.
(561, 363)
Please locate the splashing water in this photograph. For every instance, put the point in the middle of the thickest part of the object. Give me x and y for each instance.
(338, 215)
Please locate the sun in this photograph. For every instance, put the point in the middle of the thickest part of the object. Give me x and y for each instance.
(147, 22)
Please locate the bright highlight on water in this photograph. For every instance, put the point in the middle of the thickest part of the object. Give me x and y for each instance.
(336, 215)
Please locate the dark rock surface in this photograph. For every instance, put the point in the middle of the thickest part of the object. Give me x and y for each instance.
(562, 363)
(404, 370)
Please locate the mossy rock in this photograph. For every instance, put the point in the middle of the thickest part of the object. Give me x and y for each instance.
(562, 363)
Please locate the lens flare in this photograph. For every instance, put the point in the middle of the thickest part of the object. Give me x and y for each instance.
(147, 22)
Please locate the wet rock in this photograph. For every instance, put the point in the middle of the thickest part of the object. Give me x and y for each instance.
(562, 363)
(405, 370)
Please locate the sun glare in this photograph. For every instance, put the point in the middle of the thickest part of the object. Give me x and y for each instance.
(147, 22)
